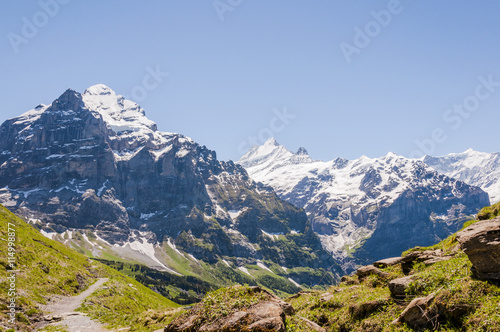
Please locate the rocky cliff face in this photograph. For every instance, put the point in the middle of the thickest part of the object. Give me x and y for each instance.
(366, 209)
(94, 162)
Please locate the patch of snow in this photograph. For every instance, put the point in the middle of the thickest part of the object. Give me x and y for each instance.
(159, 153)
(101, 239)
(234, 214)
(100, 190)
(226, 262)
(273, 236)
(147, 216)
(49, 235)
(126, 154)
(262, 266)
(182, 153)
(148, 249)
(284, 269)
(294, 282)
(172, 245)
(192, 257)
(119, 114)
(55, 156)
(87, 239)
(244, 270)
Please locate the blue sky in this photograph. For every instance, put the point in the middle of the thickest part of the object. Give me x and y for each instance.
(240, 70)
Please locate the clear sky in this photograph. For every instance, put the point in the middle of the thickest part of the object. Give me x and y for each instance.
(341, 78)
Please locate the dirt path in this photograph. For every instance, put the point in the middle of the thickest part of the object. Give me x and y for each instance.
(75, 321)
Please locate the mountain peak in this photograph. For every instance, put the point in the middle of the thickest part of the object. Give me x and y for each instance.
(301, 152)
(119, 113)
(470, 150)
(271, 142)
(99, 89)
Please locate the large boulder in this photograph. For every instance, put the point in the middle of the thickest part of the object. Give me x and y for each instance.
(481, 243)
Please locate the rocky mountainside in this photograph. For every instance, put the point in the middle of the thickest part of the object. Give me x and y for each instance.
(92, 171)
(479, 169)
(366, 209)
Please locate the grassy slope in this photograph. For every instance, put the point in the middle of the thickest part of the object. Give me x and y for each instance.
(49, 268)
(469, 304)
(186, 289)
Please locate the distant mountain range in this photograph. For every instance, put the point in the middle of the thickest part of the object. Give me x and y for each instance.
(92, 171)
(371, 208)
(479, 169)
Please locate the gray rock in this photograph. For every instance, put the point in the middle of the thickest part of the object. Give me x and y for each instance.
(398, 287)
(387, 262)
(267, 315)
(419, 256)
(368, 270)
(418, 313)
(312, 325)
(481, 243)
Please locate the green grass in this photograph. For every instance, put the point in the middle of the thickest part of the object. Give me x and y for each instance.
(48, 268)
(462, 303)
(489, 212)
(224, 301)
(123, 301)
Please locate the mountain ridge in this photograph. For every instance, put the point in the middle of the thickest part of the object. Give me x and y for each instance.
(94, 163)
(348, 201)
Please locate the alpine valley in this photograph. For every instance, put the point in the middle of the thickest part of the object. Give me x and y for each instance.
(370, 208)
(91, 171)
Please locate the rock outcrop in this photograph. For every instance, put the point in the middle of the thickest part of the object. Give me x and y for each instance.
(399, 286)
(268, 314)
(383, 263)
(481, 242)
(365, 271)
(426, 256)
(418, 314)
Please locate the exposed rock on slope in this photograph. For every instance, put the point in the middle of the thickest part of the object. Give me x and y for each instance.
(481, 243)
(366, 209)
(235, 309)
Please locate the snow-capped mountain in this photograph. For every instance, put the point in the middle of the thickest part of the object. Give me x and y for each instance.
(368, 208)
(92, 164)
(479, 169)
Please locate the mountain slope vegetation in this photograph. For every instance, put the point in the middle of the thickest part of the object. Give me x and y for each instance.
(47, 269)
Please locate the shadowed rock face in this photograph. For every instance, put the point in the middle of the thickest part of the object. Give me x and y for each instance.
(481, 243)
(94, 161)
